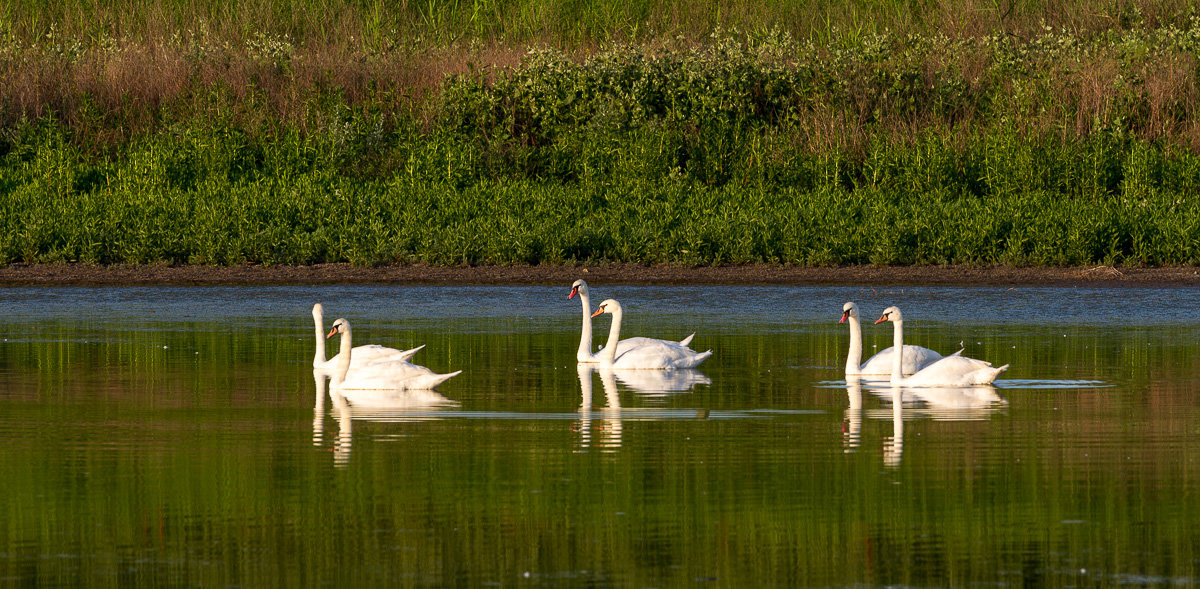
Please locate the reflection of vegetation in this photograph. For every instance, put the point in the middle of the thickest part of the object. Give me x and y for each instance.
(456, 502)
(201, 471)
(1011, 133)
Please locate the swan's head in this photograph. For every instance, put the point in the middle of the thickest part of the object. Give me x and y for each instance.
(579, 288)
(849, 310)
(318, 311)
(890, 314)
(339, 326)
(608, 306)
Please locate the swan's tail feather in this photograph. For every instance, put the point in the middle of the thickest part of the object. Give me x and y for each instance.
(406, 354)
(687, 340)
(431, 380)
(959, 352)
(988, 375)
(698, 358)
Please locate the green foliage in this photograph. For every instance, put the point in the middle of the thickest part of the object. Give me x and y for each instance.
(871, 148)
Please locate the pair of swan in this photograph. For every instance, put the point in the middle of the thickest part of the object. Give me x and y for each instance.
(363, 355)
(380, 369)
(914, 357)
(914, 366)
(635, 353)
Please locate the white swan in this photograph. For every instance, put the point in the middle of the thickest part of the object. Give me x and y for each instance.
(584, 353)
(915, 357)
(644, 353)
(951, 371)
(389, 375)
(363, 355)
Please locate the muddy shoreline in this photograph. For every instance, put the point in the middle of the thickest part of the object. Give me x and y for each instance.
(121, 275)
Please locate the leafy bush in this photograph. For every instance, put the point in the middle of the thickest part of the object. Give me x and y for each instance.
(867, 148)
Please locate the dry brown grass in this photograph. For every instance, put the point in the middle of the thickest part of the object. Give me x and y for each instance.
(1171, 95)
(561, 23)
(1091, 88)
(129, 85)
(136, 62)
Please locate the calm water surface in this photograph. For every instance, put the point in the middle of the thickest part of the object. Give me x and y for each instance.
(176, 436)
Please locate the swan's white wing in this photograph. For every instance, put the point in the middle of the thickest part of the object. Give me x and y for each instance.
(633, 343)
(627, 345)
(954, 371)
(370, 354)
(645, 353)
(362, 356)
(915, 358)
(390, 375)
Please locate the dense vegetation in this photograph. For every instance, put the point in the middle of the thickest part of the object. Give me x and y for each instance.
(993, 134)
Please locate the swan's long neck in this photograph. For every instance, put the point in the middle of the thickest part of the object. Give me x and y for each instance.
(584, 354)
(609, 354)
(854, 359)
(318, 321)
(343, 365)
(898, 355)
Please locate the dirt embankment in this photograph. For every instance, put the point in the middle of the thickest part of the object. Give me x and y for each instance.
(77, 274)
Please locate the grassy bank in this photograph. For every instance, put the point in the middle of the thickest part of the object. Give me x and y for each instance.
(1000, 143)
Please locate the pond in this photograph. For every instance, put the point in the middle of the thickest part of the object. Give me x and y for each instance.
(177, 436)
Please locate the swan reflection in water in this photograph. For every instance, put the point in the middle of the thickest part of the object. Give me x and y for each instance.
(608, 421)
(345, 437)
(972, 403)
(379, 406)
(893, 447)
(661, 383)
(609, 424)
(319, 408)
(852, 427)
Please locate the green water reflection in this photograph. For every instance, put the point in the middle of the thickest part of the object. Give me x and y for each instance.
(198, 451)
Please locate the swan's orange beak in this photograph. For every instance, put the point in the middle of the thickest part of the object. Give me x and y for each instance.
(331, 332)
(598, 311)
(881, 319)
(574, 291)
(845, 316)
